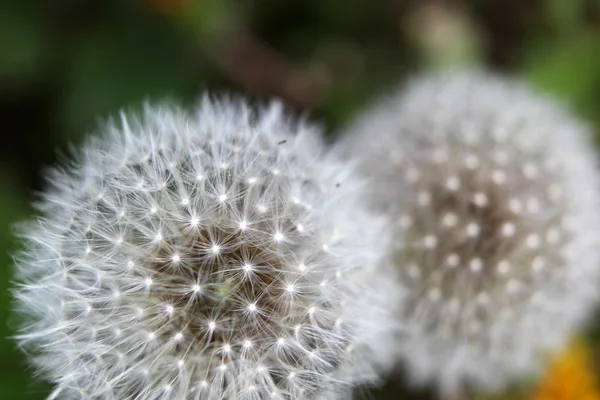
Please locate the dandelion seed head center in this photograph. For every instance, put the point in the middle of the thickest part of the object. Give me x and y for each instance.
(203, 299)
(221, 288)
(462, 219)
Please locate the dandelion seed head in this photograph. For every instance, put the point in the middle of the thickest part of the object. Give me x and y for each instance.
(195, 283)
(514, 207)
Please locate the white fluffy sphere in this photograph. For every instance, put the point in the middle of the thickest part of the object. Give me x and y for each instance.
(494, 191)
(213, 254)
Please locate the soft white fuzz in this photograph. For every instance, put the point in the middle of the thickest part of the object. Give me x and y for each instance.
(213, 254)
(494, 191)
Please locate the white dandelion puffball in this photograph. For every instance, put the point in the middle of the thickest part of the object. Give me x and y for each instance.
(213, 254)
(494, 193)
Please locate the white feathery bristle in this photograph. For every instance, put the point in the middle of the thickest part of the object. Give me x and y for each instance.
(495, 194)
(207, 254)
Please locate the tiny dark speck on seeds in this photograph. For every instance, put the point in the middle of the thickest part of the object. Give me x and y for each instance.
(282, 142)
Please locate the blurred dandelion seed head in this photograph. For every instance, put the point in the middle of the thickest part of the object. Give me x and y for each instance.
(494, 192)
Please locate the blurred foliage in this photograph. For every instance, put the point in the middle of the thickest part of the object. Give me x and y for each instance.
(14, 380)
(65, 63)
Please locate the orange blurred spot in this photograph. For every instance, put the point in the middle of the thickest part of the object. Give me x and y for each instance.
(571, 376)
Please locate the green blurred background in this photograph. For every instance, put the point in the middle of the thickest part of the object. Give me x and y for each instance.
(66, 64)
